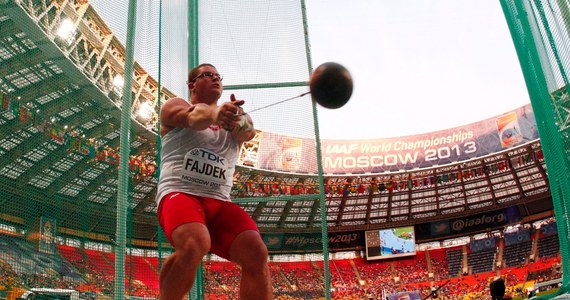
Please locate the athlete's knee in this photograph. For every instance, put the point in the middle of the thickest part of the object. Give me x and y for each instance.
(191, 242)
(259, 251)
(194, 247)
(253, 255)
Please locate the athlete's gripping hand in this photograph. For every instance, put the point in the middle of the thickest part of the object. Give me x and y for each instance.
(229, 113)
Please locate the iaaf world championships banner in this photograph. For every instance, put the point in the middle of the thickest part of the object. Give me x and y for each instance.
(283, 153)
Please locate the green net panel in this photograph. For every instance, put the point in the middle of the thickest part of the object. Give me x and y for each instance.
(541, 31)
(79, 144)
(261, 50)
(79, 157)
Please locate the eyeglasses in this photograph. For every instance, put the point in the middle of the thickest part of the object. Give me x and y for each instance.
(210, 75)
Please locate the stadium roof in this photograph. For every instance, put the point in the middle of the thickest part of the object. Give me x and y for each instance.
(59, 148)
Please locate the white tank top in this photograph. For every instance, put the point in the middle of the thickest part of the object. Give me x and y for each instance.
(200, 163)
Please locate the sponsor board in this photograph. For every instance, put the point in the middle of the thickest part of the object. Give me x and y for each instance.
(284, 153)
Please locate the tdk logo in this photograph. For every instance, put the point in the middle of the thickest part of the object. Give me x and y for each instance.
(209, 156)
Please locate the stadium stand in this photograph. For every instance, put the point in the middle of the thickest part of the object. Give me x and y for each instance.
(454, 258)
(354, 277)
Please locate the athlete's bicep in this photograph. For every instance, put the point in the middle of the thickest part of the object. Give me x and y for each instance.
(174, 113)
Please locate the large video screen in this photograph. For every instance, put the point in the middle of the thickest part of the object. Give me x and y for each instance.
(390, 243)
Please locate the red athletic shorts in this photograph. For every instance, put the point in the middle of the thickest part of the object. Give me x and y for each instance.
(224, 219)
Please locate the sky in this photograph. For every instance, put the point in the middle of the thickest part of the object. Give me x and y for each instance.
(417, 65)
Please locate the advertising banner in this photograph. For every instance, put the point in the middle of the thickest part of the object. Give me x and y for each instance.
(548, 229)
(291, 154)
(517, 237)
(311, 241)
(468, 224)
(483, 244)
